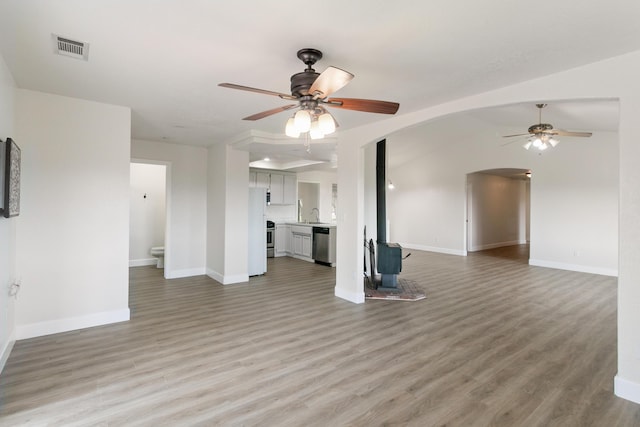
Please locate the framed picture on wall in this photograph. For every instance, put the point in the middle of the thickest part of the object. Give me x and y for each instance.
(11, 179)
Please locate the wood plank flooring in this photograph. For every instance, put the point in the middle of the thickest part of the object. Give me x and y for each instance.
(495, 343)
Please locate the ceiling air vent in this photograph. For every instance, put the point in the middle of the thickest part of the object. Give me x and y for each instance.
(72, 48)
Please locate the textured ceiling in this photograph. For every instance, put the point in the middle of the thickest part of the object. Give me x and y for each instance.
(164, 59)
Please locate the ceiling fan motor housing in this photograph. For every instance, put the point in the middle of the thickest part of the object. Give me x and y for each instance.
(540, 127)
(301, 82)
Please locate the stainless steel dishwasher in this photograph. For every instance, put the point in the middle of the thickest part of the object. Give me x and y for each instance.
(323, 251)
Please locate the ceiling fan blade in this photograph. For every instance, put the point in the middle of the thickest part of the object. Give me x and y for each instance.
(329, 81)
(253, 89)
(271, 112)
(517, 134)
(569, 133)
(366, 105)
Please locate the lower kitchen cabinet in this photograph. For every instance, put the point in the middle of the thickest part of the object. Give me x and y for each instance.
(282, 243)
(301, 242)
(302, 245)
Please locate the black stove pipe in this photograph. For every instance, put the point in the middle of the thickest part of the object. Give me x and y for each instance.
(381, 195)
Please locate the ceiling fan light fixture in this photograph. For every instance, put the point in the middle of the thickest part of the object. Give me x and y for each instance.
(553, 141)
(326, 123)
(302, 121)
(527, 145)
(315, 132)
(291, 130)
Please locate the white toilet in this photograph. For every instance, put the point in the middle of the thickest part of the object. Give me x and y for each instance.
(158, 252)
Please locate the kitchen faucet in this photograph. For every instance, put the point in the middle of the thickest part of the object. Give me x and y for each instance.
(317, 214)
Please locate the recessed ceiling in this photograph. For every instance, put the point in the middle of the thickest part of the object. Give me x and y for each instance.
(164, 59)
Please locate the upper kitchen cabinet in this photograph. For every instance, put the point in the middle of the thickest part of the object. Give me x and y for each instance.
(263, 180)
(283, 186)
(277, 189)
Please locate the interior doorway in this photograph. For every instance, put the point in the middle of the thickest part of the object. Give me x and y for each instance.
(498, 208)
(148, 225)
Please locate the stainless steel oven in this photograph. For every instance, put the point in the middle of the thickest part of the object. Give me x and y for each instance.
(271, 239)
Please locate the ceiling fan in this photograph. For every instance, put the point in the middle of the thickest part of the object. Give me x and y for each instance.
(542, 135)
(311, 92)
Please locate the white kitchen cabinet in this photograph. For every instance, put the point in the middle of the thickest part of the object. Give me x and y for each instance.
(289, 241)
(262, 179)
(306, 246)
(283, 232)
(277, 189)
(302, 244)
(282, 187)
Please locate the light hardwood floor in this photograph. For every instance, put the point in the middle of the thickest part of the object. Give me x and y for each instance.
(496, 342)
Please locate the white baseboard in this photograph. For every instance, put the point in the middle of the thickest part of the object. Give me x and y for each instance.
(215, 275)
(39, 329)
(186, 272)
(227, 280)
(6, 351)
(302, 258)
(574, 267)
(355, 297)
(143, 262)
(626, 389)
(238, 278)
(433, 249)
(496, 245)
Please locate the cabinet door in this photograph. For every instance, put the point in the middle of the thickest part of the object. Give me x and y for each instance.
(289, 240)
(262, 180)
(281, 240)
(277, 188)
(306, 246)
(297, 244)
(289, 191)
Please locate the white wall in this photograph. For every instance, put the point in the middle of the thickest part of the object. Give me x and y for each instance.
(228, 220)
(496, 214)
(573, 214)
(147, 211)
(185, 243)
(72, 247)
(7, 226)
(615, 78)
(281, 213)
(325, 180)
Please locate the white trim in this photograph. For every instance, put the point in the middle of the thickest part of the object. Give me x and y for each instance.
(495, 245)
(6, 351)
(433, 249)
(238, 278)
(142, 262)
(626, 389)
(39, 329)
(355, 297)
(215, 275)
(302, 258)
(227, 280)
(185, 272)
(574, 267)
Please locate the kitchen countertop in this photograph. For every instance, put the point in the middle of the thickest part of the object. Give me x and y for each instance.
(311, 224)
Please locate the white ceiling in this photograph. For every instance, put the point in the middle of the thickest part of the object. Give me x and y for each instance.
(164, 58)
